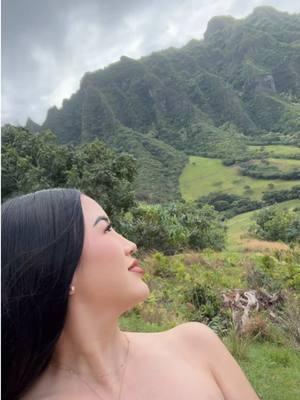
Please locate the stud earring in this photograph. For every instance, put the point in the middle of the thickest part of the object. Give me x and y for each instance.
(72, 289)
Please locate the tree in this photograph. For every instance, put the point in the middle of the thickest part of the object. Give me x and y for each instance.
(173, 227)
(275, 223)
(105, 176)
(33, 162)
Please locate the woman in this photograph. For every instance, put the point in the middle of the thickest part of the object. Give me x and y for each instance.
(66, 280)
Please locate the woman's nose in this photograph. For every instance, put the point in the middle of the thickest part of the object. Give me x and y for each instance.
(131, 248)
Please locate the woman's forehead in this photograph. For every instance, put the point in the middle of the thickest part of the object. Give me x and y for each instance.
(91, 209)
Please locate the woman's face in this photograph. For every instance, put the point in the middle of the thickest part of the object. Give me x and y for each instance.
(102, 278)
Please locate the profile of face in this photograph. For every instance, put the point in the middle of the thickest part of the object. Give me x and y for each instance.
(102, 279)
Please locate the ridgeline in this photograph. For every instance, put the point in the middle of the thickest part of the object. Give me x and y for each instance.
(208, 99)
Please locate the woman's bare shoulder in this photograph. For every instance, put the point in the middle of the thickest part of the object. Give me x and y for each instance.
(176, 340)
(179, 334)
(203, 343)
(188, 332)
(189, 336)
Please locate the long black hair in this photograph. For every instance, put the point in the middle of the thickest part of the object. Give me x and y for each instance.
(42, 240)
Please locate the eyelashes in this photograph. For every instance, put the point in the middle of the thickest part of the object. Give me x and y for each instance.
(108, 228)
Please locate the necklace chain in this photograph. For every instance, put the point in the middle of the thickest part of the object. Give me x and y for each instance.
(71, 370)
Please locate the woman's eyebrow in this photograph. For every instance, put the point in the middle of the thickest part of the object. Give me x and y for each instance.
(100, 218)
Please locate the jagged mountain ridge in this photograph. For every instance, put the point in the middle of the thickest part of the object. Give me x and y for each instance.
(245, 73)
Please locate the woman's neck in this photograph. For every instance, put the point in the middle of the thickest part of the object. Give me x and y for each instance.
(93, 346)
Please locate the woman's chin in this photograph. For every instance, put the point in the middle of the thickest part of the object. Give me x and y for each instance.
(143, 292)
(140, 296)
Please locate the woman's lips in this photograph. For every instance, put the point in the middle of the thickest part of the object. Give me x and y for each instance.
(137, 269)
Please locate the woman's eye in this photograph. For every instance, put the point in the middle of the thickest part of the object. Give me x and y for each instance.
(108, 228)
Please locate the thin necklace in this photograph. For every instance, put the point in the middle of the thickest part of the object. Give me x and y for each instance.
(71, 370)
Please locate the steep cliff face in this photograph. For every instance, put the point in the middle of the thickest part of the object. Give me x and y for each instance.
(244, 74)
(217, 80)
(66, 122)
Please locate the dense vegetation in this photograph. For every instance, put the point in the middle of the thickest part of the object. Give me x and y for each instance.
(276, 151)
(174, 227)
(232, 204)
(34, 162)
(240, 83)
(276, 223)
(266, 169)
(277, 196)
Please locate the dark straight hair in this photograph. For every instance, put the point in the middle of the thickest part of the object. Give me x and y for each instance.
(42, 240)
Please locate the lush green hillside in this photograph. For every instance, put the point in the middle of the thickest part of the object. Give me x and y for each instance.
(278, 151)
(158, 164)
(236, 74)
(271, 168)
(242, 79)
(204, 175)
(238, 226)
(285, 165)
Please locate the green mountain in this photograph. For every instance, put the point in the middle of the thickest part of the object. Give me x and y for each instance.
(242, 79)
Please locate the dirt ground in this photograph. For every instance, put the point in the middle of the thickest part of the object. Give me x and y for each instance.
(256, 245)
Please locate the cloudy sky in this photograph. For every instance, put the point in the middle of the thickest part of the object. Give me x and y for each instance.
(47, 45)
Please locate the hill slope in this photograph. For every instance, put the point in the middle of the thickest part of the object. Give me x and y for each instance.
(204, 175)
(238, 226)
(242, 78)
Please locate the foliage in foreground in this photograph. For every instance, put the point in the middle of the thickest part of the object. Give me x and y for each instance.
(188, 287)
(171, 228)
(276, 223)
(35, 162)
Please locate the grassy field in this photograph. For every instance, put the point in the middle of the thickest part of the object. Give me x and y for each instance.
(238, 226)
(203, 175)
(277, 150)
(273, 371)
(285, 165)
